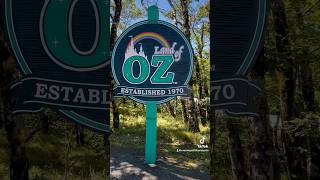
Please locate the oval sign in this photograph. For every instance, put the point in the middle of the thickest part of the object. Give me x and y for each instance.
(237, 31)
(62, 49)
(237, 34)
(152, 63)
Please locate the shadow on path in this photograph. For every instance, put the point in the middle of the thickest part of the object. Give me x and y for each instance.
(128, 164)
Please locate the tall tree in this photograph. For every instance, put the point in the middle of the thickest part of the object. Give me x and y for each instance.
(213, 135)
(181, 17)
(306, 76)
(19, 165)
(287, 87)
(192, 117)
(236, 150)
(79, 134)
(286, 61)
(200, 36)
(1, 111)
(306, 79)
(113, 36)
(174, 15)
(263, 160)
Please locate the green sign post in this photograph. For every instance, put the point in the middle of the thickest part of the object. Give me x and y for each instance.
(151, 109)
(152, 63)
(151, 132)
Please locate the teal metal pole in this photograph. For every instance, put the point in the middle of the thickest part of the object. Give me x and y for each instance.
(153, 14)
(151, 108)
(151, 133)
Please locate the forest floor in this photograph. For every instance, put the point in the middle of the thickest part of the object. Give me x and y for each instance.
(128, 164)
(56, 155)
(127, 151)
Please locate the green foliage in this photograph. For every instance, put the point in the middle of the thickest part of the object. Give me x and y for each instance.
(308, 126)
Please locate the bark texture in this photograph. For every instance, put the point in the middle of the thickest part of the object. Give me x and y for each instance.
(19, 165)
(113, 37)
(202, 80)
(213, 134)
(192, 114)
(236, 150)
(286, 73)
(263, 159)
(79, 135)
(171, 109)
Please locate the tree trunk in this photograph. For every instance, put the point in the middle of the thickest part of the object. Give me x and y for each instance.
(287, 89)
(202, 82)
(315, 159)
(184, 110)
(203, 113)
(206, 93)
(18, 160)
(19, 165)
(235, 150)
(263, 159)
(115, 110)
(307, 86)
(116, 118)
(1, 108)
(202, 110)
(308, 94)
(4, 55)
(107, 152)
(286, 63)
(113, 37)
(213, 134)
(171, 109)
(45, 123)
(80, 135)
(115, 22)
(193, 119)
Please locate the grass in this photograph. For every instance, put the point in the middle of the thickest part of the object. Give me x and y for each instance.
(172, 134)
(48, 154)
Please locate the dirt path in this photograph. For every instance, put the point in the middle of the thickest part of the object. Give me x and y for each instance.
(128, 164)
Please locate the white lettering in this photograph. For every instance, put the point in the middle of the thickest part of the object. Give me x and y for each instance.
(80, 96)
(94, 96)
(53, 93)
(67, 91)
(170, 51)
(41, 91)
